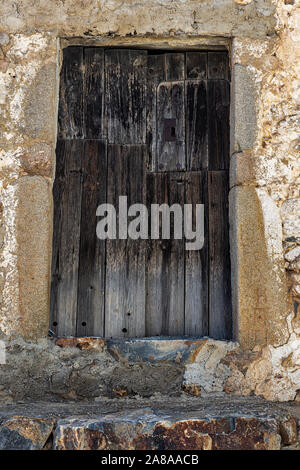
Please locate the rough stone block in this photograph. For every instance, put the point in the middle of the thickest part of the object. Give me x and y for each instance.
(242, 170)
(162, 423)
(34, 233)
(40, 104)
(84, 343)
(290, 213)
(243, 119)
(258, 275)
(38, 159)
(23, 433)
(146, 429)
(75, 19)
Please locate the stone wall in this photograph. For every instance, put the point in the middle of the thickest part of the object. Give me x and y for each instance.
(263, 38)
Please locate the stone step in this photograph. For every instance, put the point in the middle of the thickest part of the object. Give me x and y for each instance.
(177, 423)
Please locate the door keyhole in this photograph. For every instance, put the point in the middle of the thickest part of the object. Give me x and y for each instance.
(169, 134)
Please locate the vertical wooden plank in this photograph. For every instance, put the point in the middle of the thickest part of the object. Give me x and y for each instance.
(218, 65)
(66, 236)
(70, 109)
(174, 66)
(126, 72)
(125, 259)
(93, 106)
(196, 65)
(170, 126)
(218, 124)
(91, 277)
(196, 262)
(220, 310)
(165, 263)
(155, 76)
(196, 124)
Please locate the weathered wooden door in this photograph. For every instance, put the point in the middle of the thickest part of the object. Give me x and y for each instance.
(153, 126)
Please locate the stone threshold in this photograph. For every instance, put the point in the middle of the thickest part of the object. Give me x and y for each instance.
(159, 423)
(151, 349)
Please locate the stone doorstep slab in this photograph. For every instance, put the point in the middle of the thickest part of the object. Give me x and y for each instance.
(151, 349)
(215, 423)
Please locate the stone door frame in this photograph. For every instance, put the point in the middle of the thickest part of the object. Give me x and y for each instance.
(259, 287)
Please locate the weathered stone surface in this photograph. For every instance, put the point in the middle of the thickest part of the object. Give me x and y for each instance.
(150, 429)
(25, 308)
(145, 379)
(295, 284)
(290, 212)
(29, 92)
(84, 344)
(179, 351)
(159, 423)
(257, 267)
(4, 39)
(125, 18)
(23, 433)
(288, 431)
(38, 160)
(34, 207)
(244, 125)
(273, 373)
(207, 369)
(293, 254)
(82, 368)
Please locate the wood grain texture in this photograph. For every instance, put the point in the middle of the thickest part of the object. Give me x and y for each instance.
(126, 72)
(196, 65)
(155, 76)
(218, 124)
(93, 106)
(220, 309)
(125, 259)
(70, 109)
(170, 146)
(218, 65)
(168, 114)
(91, 277)
(66, 236)
(196, 262)
(165, 263)
(174, 66)
(196, 124)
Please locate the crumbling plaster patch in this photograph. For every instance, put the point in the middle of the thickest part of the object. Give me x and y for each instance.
(264, 178)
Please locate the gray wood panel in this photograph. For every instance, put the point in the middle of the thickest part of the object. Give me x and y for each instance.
(165, 263)
(70, 109)
(66, 236)
(125, 259)
(218, 124)
(196, 262)
(125, 74)
(174, 66)
(220, 308)
(196, 124)
(155, 76)
(167, 113)
(93, 105)
(91, 277)
(170, 126)
(218, 65)
(196, 65)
